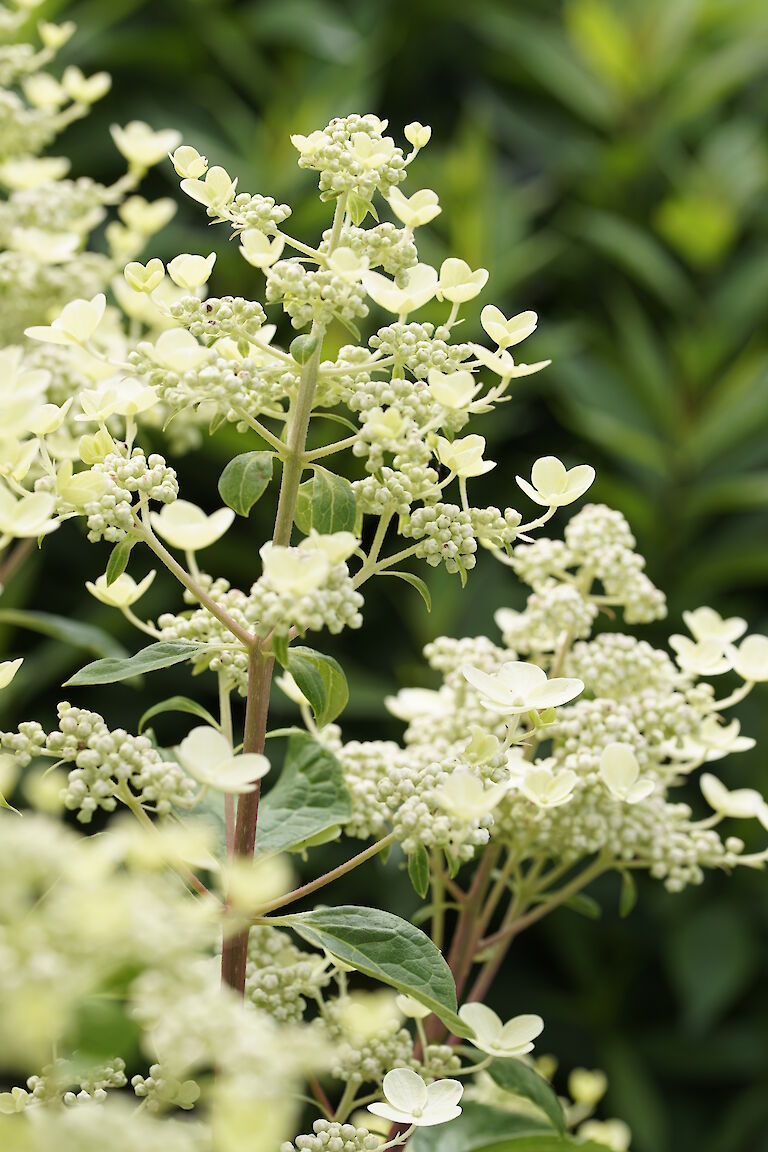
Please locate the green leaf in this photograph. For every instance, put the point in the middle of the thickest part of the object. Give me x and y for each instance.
(518, 1078)
(541, 1142)
(280, 648)
(322, 681)
(245, 479)
(178, 704)
(74, 632)
(628, 896)
(478, 1128)
(326, 503)
(418, 870)
(310, 798)
(161, 655)
(415, 582)
(385, 948)
(584, 905)
(118, 559)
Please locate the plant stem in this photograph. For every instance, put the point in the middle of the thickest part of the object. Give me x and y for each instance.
(225, 718)
(328, 877)
(260, 663)
(541, 910)
(235, 948)
(147, 535)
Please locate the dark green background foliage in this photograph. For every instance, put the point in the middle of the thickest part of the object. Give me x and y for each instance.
(607, 162)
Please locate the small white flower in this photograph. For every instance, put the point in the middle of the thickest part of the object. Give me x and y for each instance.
(295, 571)
(515, 1038)
(587, 1086)
(121, 593)
(553, 485)
(206, 755)
(454, 390)
(139, 215)
(458, 283)
(335, 546)
(411, 1101)
(191, 272)
(700, 657)
(413, 1009)
(258, 249)
(506, 333)
(55, 36)
(216, 191)
(144, 277)
(409, 703)
(177, 349)
(464, 456)
(620, 772)
(23, 173)
(188, 163)
(77, 323)
(79, 488)
(712, 741)
(415, 210)
(750, 659)
(503, 364)
(348, 265)
(546, 788)
(28, 517)
(613, 1134)
(519, 687)
(741, 803)
(85, 89)
(308, 145)
(8, 669)
(466, 798)
(47, 418)
(186, 526)
(369, 152)
(419, 286)
(417, 134)
(706, 624)
(141, 145)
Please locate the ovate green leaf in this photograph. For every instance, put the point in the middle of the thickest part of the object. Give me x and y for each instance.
(310, 798)
(161, 655)
(387, 949)
(322, 681)
(245, 479)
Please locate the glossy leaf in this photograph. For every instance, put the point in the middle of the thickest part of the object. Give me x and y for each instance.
(245, 479)
(321, 679)
(164, 654)
(178, 704)
(308, 800)
(387, 949)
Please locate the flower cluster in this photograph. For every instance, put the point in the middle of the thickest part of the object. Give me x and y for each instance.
(562, 745)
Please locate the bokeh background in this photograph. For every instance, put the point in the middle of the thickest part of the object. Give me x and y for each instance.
(607, 161)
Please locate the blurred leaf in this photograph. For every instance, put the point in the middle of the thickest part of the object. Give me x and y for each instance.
(521, 1080)
(74, 632)
(712, 958)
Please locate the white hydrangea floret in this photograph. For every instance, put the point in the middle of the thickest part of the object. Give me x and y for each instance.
(553, 485)
(513, 1039)
(122, 592)
(620, 772)
(207, 756)
(409, 1100)
(183, 525)
(76, 325)
(519, 687)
